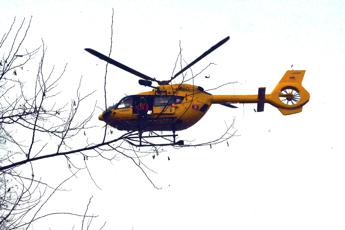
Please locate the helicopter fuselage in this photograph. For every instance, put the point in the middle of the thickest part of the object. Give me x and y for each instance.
(169, 108)
(173, 107)
(179, 106)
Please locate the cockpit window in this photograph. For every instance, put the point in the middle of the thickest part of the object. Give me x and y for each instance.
(125, 103)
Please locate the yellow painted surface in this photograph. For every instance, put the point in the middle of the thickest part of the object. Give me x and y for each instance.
(291, 79)
(289, 96)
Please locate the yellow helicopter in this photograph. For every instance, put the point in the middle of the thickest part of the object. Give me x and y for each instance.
(174, 107)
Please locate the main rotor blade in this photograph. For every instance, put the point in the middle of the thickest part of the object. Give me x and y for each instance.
(210, 50)
(119, 65)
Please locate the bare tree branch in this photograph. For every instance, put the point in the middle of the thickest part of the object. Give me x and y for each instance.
(37, 122)
(106, 68)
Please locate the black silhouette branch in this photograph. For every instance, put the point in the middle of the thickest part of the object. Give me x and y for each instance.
(106, 68)
(38, 122)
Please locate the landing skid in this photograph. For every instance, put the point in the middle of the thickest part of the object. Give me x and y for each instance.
(149, 139)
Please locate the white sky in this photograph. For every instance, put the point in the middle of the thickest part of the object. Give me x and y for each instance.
(280, 173)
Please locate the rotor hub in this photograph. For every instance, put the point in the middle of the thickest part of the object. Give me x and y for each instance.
(289, 96)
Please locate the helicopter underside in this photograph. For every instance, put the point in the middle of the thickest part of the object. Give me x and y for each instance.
(150, 124)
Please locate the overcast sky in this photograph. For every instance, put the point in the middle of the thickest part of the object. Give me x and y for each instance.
(279, 173)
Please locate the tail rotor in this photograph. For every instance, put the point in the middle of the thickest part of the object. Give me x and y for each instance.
(289, 96)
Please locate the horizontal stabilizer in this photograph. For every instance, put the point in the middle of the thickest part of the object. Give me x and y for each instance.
(227, 104)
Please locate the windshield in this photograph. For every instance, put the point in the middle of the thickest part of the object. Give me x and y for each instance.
(125, 103)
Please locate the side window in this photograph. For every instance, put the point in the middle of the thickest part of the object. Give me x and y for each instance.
(178, 99)
(161, 101)
(125, 103)
(167, 100)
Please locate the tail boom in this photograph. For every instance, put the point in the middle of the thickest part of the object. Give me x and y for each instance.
(289, 96)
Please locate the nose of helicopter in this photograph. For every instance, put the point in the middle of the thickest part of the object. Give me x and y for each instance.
(105, 115)
(100, 117)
